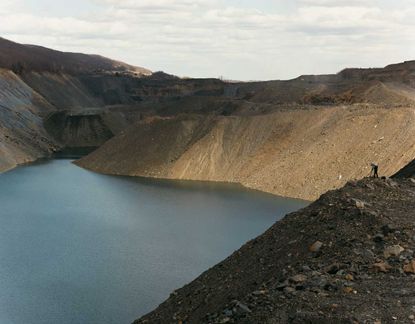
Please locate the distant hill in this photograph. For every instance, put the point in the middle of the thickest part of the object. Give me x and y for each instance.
(19, 58)
(391, 85)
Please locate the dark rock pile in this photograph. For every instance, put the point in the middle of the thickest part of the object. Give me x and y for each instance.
(347, 258)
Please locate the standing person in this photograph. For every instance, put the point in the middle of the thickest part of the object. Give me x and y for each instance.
(374, 171)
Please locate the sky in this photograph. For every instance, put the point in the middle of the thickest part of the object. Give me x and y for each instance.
(233, 39)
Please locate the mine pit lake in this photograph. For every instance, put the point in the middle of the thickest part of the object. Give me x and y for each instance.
(80, 247)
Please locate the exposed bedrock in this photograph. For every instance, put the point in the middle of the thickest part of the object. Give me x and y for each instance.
(78, 130)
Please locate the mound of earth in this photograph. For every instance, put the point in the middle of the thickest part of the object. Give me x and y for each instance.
(347, 258)
(294, 152)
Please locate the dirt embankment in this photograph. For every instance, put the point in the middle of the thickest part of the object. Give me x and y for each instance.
(347, 258)
(296, 153)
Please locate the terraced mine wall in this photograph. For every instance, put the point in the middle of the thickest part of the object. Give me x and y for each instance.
(45, 112)
(295, 138)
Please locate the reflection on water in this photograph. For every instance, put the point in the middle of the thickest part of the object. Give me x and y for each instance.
(79, 247)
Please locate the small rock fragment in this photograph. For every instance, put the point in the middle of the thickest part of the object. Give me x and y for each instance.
(282, 285)
(289, 290)
(378, 237)
(243, 307)
(410, 267)
(298, 278)
(370, 186)
(316, 246)
(382, 267)
(227, 312)
(359, 204)
(393, 250)
(333, 268)
(391, 183)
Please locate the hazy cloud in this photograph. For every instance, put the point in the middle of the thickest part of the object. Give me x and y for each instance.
(218, 37)
(338, 3)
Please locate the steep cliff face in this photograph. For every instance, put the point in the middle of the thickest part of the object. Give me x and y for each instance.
(78, 130)
(296, 153)
(22, 139)
(22, 136)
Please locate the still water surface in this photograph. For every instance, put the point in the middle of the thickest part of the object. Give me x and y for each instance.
(79, 247)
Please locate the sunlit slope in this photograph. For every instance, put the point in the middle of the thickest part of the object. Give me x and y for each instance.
(296, 153)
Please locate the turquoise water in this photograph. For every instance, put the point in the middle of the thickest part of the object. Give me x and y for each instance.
(79, 247)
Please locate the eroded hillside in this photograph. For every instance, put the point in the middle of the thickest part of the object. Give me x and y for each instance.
(296, 138)
(22, 136)
(51, 100)
(294, 152)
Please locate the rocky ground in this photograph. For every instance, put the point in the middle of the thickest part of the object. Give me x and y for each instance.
(347, 258)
